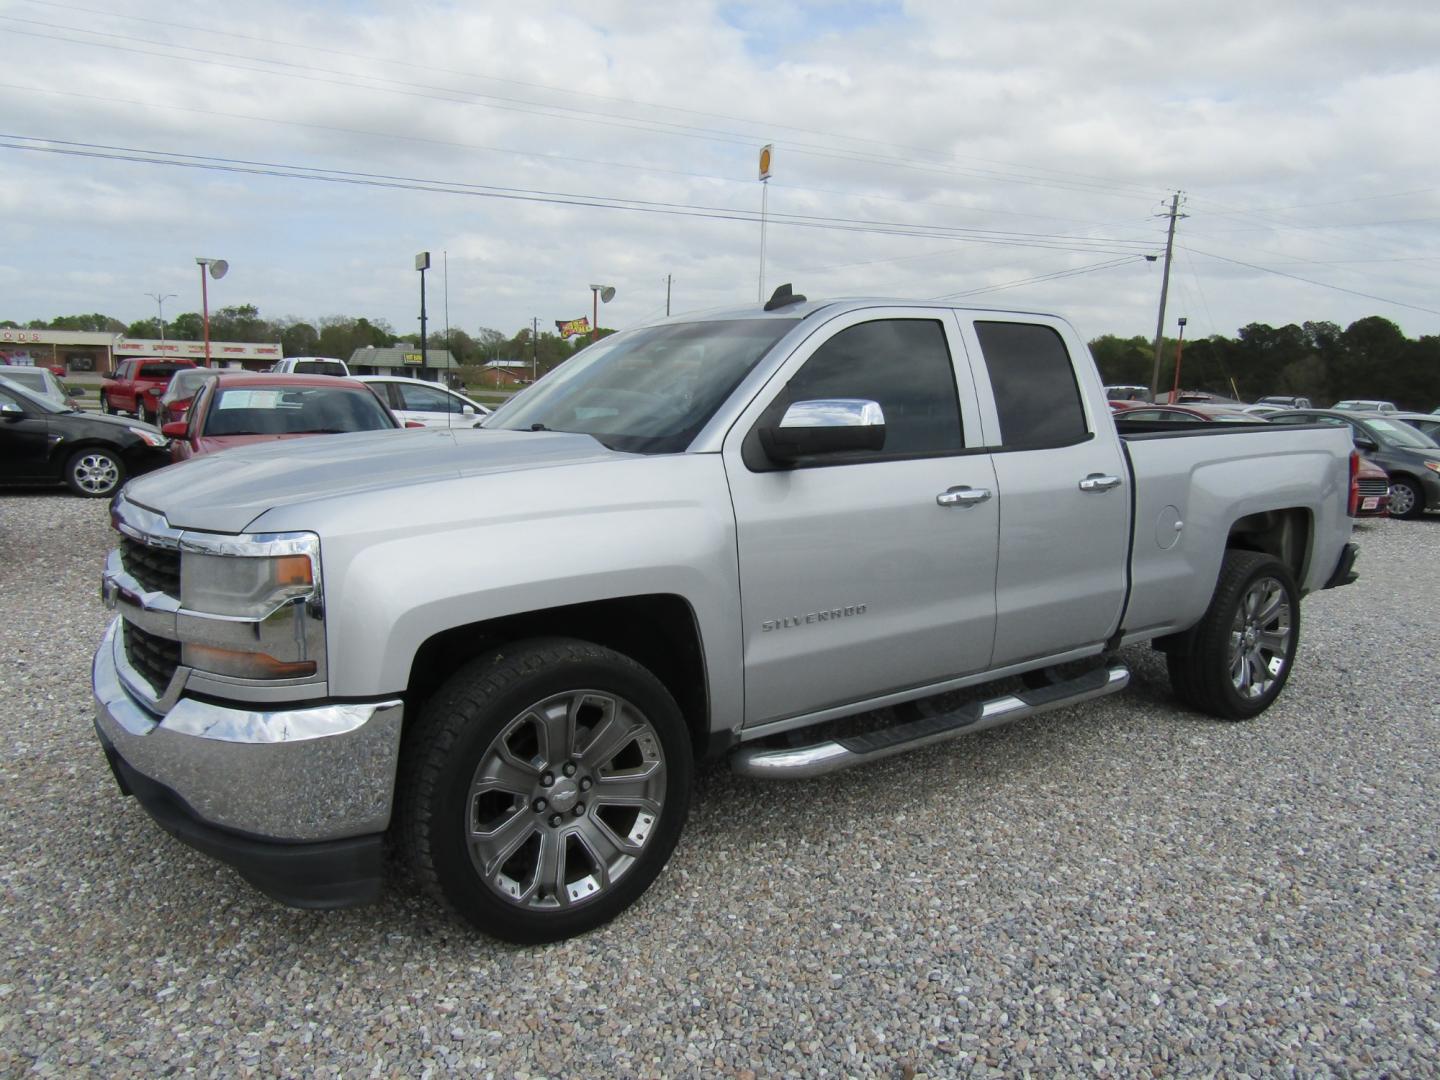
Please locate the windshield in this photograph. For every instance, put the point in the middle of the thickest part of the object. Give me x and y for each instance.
(32, 399)
(646, 391)
(185, 383)
(1403, 434)
(305, 410)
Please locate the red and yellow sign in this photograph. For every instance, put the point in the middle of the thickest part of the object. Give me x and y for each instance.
(572, 327)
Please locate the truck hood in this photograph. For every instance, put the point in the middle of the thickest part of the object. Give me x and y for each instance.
(225, 492)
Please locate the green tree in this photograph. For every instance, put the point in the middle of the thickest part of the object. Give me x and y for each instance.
(300, 339)
(144, 328)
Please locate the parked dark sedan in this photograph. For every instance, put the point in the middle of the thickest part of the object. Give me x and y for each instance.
(1411, 458)
(44, 443)
(1425, 423)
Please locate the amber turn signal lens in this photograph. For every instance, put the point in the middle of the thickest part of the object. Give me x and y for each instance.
(293, 570)
(246, 665)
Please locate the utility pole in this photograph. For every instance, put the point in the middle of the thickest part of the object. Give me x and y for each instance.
(535, 348)
(1173, 215)
(667, 296)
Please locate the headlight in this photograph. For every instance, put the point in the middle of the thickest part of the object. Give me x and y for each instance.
(150, 438)
(251, 607)
(1433, 466)
(248, 587)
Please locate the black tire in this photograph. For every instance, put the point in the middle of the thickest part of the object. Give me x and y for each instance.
(94, 472)
(148, 416)
(1213, 666)
(105, 406)
(488, 717)
(1412, 501)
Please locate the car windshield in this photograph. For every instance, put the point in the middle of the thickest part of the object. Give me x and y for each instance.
(1403, 434)
(185, 383)
(298, 410)
(646, 391)
(41, 403)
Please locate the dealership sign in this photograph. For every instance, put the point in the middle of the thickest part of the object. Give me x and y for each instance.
(219, 350)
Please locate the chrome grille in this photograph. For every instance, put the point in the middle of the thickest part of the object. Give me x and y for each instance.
(154, 657)
(156, 569)
(1370, 488)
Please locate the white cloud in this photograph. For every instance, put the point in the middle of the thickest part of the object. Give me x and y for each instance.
(1061, 120)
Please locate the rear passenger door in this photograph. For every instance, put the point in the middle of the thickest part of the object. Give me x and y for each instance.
(1064, 488)
(430, 406)
(855, 579)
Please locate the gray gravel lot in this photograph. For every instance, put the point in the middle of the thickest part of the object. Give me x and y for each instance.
(1117, 889)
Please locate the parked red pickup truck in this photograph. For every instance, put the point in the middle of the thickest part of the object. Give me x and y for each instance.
(137, 385)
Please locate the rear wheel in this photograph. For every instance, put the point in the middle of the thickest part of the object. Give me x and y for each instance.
(94, 472)
(544, 788)
(1406, 498)
(1237, 659)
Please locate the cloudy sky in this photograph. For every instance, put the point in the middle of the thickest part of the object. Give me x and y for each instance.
(1014, 153)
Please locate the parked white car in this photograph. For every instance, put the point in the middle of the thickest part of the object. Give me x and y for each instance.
(41, 381)
(425, 402)
(310, 365)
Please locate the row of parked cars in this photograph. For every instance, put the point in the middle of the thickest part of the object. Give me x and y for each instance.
(178, 410)
(1400, 451)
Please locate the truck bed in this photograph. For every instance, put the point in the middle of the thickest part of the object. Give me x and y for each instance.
(1190, 486)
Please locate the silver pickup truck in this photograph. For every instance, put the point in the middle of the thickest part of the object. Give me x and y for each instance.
(799, 538)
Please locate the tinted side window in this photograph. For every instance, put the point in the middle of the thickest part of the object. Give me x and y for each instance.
(427, 399)
(1034, 384)
(904, 364)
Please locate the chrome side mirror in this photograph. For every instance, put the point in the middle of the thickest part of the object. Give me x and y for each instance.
(826, 426)
(12, 411)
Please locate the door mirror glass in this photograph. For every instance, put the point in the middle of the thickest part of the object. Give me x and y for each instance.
(827, 426)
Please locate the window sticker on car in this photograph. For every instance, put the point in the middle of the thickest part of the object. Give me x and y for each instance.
(255, 399)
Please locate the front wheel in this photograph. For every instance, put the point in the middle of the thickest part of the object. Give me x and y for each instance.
(94, 472)
(1406, 498)
(105, 406)
(1236, 660)
(544, 789)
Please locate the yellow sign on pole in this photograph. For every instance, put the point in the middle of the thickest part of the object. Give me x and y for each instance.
(412, 358)
(765, 152)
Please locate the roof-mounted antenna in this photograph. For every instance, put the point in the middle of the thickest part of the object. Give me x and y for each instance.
(783, 297)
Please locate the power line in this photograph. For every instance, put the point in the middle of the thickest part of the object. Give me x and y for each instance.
(765, 125)
(1312, 281)
(465, 97)
(1073, 272)
(303, 172)
(537, 155)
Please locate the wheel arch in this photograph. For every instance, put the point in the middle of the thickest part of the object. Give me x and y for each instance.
(659, 631)
(1286, 534)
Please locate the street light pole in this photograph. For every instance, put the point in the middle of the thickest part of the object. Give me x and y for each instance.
(1179, 349)
(422, 263)
(597, 294)
(160, 299)
(217, 268)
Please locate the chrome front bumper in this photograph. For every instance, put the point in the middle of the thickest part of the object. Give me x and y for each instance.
(319, 773)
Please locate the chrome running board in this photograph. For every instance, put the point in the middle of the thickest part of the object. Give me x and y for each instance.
(831, 755)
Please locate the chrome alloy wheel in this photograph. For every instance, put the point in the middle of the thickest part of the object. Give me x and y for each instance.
(1260, 638)
(96, 474)
(565, 799)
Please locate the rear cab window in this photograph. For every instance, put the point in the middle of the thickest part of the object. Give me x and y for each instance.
(1032, 378)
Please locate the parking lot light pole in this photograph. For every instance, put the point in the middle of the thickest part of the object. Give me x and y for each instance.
(217, 268)
(422, 263)
(597, 294)
(1179, 349)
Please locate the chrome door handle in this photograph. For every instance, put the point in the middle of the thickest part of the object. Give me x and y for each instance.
(1099, 482)
(962, 496)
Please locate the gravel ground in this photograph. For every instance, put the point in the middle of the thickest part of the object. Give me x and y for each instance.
(1117, 889)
